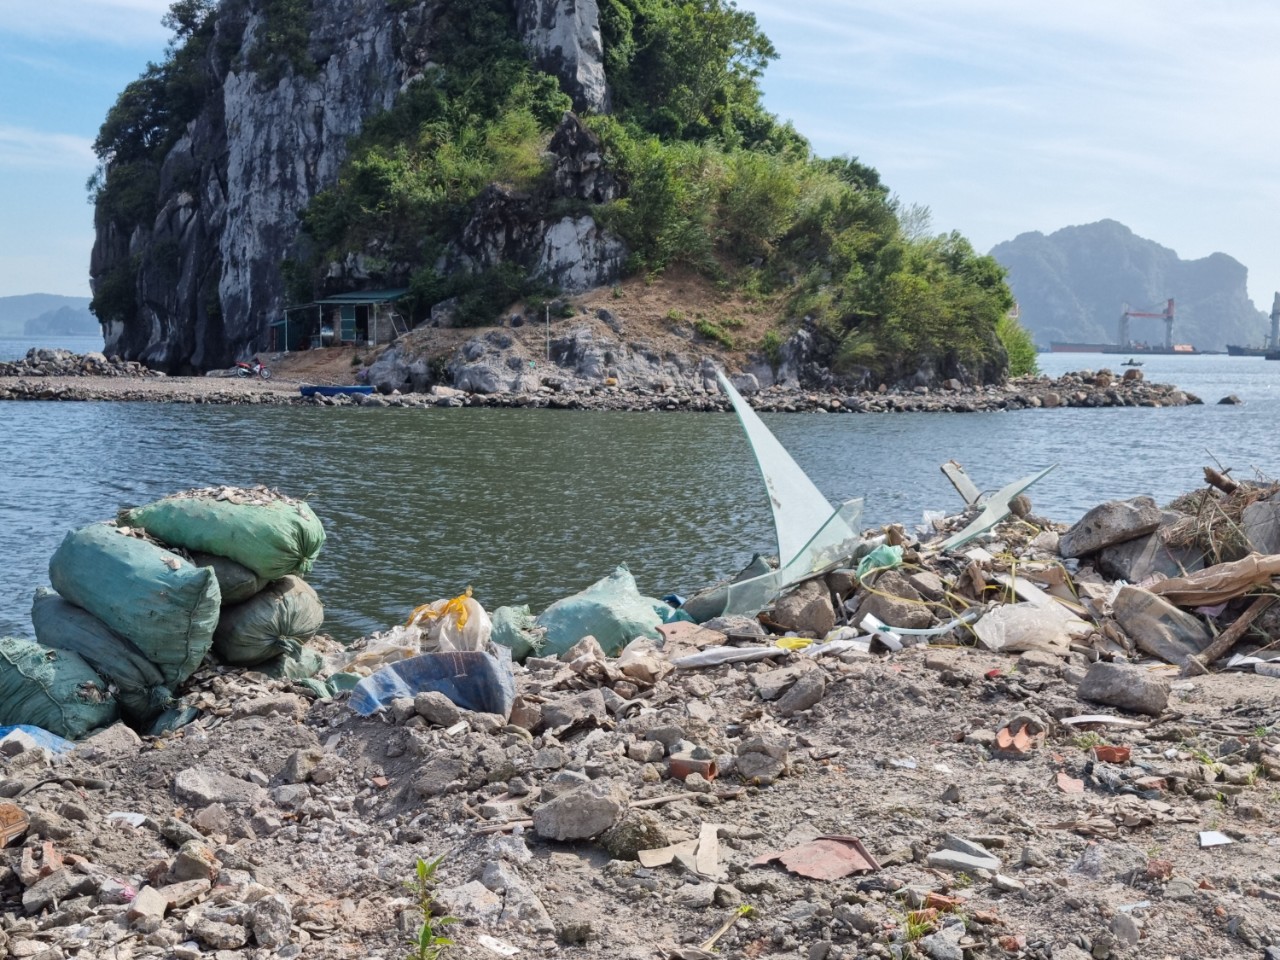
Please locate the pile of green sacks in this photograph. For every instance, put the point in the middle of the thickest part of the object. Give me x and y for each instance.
(129, 620)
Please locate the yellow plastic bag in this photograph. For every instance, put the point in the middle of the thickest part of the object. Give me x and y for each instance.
(460, 623)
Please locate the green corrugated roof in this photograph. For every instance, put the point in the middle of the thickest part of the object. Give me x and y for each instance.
(365, 296)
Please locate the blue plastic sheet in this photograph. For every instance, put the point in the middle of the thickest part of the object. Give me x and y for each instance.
(472, 679)
(43, 738)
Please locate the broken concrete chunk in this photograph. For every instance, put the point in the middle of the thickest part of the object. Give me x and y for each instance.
(579, 814)
(146, 912)
(1158, 627)
(434, 707)
(963, 862)
(201, 786)
(1109, 523)
(1126, 687)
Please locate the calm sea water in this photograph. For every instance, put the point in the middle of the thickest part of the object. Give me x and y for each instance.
(13, 348)
(527, 506)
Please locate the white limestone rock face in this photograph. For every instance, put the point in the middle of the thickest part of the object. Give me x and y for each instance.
(564, 36)
(285, 145)
(576, 255)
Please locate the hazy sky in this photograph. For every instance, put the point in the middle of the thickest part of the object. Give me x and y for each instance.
(1000, 116)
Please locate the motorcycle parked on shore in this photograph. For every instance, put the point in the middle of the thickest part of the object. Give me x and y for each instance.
(254, 369)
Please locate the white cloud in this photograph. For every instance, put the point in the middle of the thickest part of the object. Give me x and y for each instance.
(122, 22)
(40, 150)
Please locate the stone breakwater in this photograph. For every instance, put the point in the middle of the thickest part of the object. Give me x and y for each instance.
(1070, 390)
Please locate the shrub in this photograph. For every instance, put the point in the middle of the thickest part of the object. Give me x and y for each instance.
(1019, 345)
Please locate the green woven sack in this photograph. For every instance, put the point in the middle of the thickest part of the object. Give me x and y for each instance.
(160, 602)
(277, 621)
(51, 689)
(137, 683)
(284, 667)
(271, 535)
(236, 581)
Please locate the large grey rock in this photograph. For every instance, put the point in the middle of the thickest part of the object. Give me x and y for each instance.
(1261, 522)
(200, 786)
(391, 371)
(807, 609)
(1158, 627)
(579, 814)
(1126, 687)
(1136, 560)
(895, 602)
(1109, 523)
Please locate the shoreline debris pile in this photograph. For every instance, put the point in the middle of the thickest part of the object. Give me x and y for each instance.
(962, 741)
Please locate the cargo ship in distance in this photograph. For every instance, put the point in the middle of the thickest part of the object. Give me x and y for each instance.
(1271, 350)
(1124, 344)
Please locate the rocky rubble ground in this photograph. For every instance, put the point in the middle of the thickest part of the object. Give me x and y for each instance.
(42, 362)
(1072, 799)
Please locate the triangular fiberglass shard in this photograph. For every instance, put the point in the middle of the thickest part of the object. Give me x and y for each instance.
(799, 508)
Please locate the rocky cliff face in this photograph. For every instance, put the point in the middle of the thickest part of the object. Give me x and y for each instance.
(207, 272)
(1072, 285)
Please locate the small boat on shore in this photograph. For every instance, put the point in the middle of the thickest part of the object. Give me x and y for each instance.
(311, 390)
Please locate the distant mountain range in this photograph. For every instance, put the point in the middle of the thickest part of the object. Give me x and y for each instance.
(47, 314)
(1073, 284)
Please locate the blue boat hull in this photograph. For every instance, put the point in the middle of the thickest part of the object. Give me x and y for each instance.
(307, 390)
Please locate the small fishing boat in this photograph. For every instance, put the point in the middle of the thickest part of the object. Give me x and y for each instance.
(1131, 363)
(311, 390)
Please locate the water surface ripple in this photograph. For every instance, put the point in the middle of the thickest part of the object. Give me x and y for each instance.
(527, 506)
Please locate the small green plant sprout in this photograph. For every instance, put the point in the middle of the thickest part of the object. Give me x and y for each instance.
(430, 942)
(1261, 731)
(1087, 741)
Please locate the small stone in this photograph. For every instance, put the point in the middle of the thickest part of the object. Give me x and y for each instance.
(298, 768)
(402, 708)
(195, 861)
(1126, 929)
(645, 751)
(637, 830)
(808, 689)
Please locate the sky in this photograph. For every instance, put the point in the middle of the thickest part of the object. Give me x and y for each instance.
(1000, 116)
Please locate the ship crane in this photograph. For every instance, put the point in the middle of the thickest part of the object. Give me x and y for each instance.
(1166, 316)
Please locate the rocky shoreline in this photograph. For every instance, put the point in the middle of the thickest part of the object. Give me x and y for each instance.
(94, 378)
(1061, 797)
